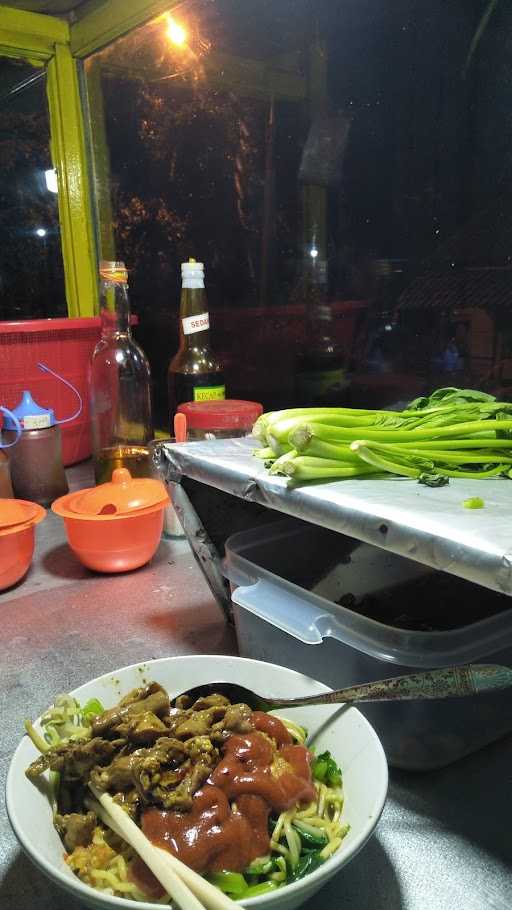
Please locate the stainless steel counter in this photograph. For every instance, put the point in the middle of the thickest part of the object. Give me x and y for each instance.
(444, 840)
(428, 525)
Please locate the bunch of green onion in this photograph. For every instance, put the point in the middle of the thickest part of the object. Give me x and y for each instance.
(450, 433)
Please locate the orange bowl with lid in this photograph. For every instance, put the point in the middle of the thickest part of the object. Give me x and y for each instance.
(117, 526)
(18, 519)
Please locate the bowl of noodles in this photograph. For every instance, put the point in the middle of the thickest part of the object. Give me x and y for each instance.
(268, 807)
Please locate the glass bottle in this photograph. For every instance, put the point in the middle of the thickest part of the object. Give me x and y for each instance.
(320, 376)
(195, 373)
(120, 385)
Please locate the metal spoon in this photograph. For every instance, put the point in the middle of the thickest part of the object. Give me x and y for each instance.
(449, 682)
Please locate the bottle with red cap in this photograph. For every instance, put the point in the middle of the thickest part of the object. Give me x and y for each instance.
(195, 373)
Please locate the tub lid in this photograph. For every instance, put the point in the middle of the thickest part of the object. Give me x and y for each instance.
(121, 495)
(18, 512)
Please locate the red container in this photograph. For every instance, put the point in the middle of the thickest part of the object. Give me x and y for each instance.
(66, 346)
(221, 419)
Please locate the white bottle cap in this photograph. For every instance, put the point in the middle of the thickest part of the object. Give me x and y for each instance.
(192, 269)
(192, 274)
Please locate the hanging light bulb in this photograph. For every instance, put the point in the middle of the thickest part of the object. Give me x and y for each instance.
(50, 177)
(175, 32)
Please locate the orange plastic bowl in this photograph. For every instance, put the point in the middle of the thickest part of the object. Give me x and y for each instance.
(17, 549)
(112, 543)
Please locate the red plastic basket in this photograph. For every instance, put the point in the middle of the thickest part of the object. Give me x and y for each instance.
(66, 346)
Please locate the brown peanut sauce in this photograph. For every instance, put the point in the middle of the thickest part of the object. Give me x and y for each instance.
(216, 835)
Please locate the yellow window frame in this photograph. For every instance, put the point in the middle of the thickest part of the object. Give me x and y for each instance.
(45, 40)
(75, 203)
(30, 36)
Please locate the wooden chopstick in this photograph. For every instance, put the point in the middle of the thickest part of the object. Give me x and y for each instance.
(132, 834)
(190, 890)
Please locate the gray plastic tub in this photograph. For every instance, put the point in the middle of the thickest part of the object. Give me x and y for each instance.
(286, 578)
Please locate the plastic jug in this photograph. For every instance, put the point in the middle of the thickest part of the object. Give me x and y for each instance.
(37, 470)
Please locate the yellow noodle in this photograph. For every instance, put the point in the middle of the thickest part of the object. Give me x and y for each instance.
(276, 835)
(321, 799)
(313, 823)
(293, 841)
(280, 875)
(322, 815)
(280, 848)
(304, 813)
(294, 730)
(330, 847)
(113, 880)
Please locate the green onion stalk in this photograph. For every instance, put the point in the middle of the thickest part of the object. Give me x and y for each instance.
(301, 468)
(263, 423)
(278, 435)
(372, 456)
(352, 434)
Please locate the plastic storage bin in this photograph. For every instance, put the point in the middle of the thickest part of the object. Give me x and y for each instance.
(286, 578)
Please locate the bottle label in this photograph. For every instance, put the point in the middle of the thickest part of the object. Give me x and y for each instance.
(35, 422)
(210, 393)
(193, 324)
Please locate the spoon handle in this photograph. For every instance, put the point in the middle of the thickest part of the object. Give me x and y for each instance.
(448, 682)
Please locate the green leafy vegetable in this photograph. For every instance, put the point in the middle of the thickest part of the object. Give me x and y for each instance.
(474, 502)
(433, 480)
(92, 708)
(310, 837)
(449, 395)
(263, 865)
(308, 862)
(235, 884)
(459, 433)
(325, 769)
(232, 883)
(262, 888)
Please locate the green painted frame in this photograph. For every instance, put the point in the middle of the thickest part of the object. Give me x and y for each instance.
(44, 41)
(75, 203)
(100, 25)
(30, 36)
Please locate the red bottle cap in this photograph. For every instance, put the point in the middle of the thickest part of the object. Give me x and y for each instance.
(221, 415)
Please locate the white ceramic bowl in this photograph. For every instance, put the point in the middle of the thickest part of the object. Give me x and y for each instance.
(345, 732)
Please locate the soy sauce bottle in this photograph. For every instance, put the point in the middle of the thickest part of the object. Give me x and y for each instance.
(195, 373)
